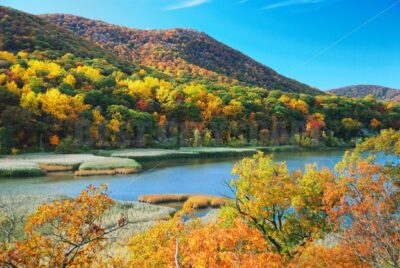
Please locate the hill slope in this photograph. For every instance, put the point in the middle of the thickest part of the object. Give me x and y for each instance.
(179, 50)
(23, 31)
(360, 91)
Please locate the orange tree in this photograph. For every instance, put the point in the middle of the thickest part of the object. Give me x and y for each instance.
(369, 207)
(64, 233)
(191, 244)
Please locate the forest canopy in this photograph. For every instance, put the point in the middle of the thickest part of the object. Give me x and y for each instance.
(95, 103)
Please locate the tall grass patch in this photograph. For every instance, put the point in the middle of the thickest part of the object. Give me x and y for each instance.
(16, 168)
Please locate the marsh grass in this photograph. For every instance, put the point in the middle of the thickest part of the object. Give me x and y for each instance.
(204, 201)
(88, 164)
(163, 198)
(148, 154)
(108, 166)
(20, 207)
(139, 216)
(17, 168)
(195, 201)
(110, 163)
(52, 159)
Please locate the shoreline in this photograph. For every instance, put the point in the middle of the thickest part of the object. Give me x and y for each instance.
(125, 161)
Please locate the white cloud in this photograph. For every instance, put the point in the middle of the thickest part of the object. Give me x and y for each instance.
(292, 3)
(187, 4)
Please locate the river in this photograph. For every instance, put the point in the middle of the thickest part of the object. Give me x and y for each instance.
(202, 176)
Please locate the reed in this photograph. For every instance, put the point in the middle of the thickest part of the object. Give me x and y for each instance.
(139, 216)
(112, 163)
(16, 168)
(195, 201)
(163, 198)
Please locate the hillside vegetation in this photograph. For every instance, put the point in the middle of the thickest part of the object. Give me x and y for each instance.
(361, 91)
(186, 52)
(61, 92)
(67, 102)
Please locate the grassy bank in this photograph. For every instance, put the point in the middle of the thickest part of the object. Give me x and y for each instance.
(108, 166)
(85, 164)
(147, 154)
(17, 168)
(181, 153)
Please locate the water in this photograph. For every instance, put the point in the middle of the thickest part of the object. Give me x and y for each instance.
(201, 176)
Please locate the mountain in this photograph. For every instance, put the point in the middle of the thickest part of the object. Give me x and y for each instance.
(23, 31)
(181, 51)
(360, 91)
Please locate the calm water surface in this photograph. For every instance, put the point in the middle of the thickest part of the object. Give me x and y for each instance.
(203, 176)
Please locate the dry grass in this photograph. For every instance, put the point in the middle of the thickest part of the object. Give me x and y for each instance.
(204, 201)
(56, 168)
(190, 200)
(118, 171)
(163, 198)
(139, 216)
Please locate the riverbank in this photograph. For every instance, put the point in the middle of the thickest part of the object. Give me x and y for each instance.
(121, 161)
(40, 164)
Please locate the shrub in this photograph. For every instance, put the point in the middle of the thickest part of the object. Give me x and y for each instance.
(67, 146)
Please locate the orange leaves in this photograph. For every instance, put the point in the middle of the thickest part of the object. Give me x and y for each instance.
(315, 122)
(321, 256)
(201, 246)
(295, 104)
(235, 246)
(66, 232)
(54, 140)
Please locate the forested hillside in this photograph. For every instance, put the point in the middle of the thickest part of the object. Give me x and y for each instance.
(22, 31)
(47, 100)
(185, 52)
(58, 90)
(361, 91)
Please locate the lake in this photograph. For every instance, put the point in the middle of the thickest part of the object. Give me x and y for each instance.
(203, 176)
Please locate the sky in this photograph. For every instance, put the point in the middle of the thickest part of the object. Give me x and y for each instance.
(323, 43)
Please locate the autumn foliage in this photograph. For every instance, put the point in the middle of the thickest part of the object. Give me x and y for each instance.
(64, 233)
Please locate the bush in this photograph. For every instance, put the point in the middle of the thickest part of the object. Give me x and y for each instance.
(68, 146)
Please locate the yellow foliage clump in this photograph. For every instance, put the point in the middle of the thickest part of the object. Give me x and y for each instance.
(52, 69)
(31, 102)
(61, 106)
(90, 72)
(5, 55)
(70, 79)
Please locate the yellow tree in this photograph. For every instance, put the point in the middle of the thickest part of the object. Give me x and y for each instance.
(288, 208)
(31, 102)
(61, 106)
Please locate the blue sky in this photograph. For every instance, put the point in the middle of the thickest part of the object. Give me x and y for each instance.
(324, 43)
